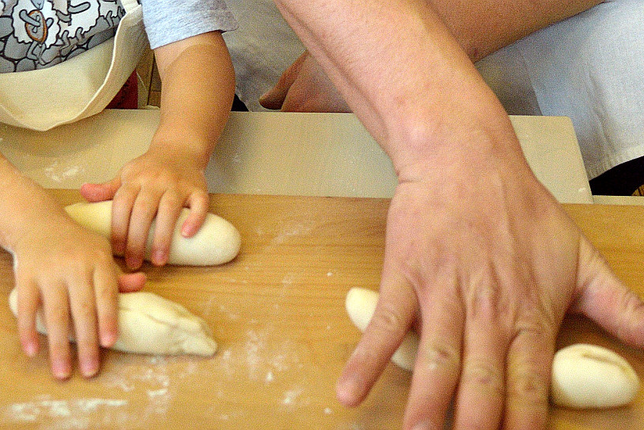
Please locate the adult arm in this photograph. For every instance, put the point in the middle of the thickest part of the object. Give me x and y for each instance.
(480, 27)
(479, 256)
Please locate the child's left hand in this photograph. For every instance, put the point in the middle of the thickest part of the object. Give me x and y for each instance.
(158, 184)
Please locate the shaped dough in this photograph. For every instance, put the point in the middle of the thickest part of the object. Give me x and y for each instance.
(216, 242)
(361, 304)
(590, 376)
(583, 376)
(150, 324)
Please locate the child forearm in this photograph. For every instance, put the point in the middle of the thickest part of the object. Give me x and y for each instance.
(25, 200)
(197, 90)
(198, 85)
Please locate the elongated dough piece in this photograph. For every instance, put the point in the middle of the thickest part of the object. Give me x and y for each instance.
(361, 304)
(590, 376)
(583, 376)
(217, 242)
(150, 324)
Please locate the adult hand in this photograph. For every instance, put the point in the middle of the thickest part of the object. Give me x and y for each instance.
(479, 256)
(156, 185)
(485, 264)
(304, 87)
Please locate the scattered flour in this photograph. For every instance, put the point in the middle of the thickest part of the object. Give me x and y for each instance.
(291, 396)
(291, 228)
(58, 173)
(76, 413)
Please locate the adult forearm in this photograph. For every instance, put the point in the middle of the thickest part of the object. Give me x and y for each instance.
(403, 73)
(484, 26)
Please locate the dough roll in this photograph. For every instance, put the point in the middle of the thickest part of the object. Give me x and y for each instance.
(150, 324)
(217, 242)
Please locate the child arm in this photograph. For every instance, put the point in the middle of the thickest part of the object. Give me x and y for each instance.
(197, 91)
(63, 268)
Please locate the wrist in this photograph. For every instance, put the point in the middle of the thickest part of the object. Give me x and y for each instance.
(182, 146)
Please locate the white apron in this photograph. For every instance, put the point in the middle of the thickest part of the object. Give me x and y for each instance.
(79, 87)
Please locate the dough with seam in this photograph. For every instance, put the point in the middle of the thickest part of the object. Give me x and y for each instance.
(151, 324)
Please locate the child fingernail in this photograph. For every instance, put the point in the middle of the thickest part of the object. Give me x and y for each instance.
(31, 349)
(61, 369)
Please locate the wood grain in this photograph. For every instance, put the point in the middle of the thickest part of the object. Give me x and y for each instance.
(278, 314)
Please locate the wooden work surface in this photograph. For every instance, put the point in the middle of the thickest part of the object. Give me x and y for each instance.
(278, 314)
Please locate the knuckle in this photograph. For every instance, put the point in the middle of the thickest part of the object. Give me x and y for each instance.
(485, 376)
(484, 302)
(85, 311)
(436, 356)
(107, 294)
(389, 321)
(528, 388)
(57, 317)
(365, 355)
(633, 311)
(59, 348)
(88, 345)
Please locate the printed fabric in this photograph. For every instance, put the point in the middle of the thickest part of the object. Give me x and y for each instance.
(35, 34)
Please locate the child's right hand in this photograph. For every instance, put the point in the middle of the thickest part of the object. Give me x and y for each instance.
(69, 272)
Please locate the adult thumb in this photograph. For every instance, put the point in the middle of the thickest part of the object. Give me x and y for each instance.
(605, 299)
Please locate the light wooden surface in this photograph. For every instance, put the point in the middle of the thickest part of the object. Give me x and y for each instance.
(312, 154)
(278, 314)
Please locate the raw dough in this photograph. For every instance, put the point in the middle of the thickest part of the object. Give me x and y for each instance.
(217, 242)
(150, 324)
(583, 376)
(589, 376)
(361, 304)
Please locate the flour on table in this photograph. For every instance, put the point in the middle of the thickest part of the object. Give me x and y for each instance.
(76, 412)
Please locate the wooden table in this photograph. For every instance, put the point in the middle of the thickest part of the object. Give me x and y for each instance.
(278, 314)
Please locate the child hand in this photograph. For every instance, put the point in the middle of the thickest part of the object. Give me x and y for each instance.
(158, 185)
(70, 273)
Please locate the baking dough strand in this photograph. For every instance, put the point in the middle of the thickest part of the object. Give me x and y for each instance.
(150, 324)
(583, 376)
(216, 242)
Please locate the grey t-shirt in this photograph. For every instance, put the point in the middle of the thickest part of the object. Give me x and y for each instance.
(168, 21)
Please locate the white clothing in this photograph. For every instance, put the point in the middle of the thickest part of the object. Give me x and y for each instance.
(261, 48)
(589, 67)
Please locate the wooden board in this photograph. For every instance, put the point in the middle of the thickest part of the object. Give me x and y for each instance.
(278, 314)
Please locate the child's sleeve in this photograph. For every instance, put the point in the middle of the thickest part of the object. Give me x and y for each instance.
(168, 21)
